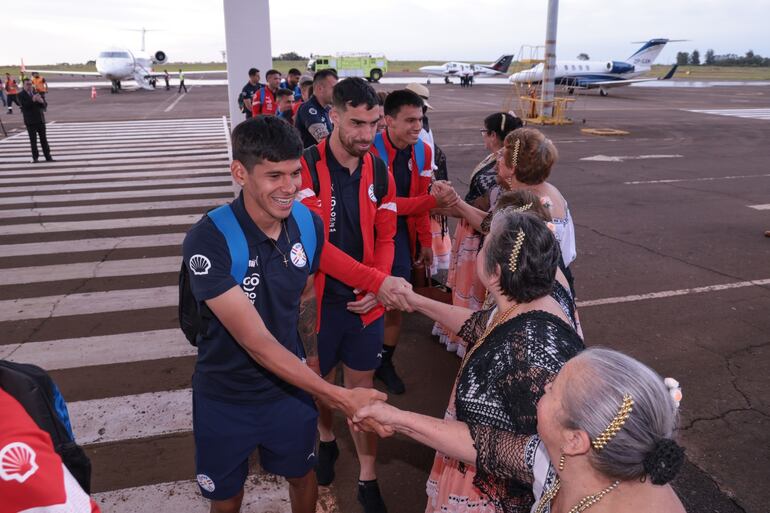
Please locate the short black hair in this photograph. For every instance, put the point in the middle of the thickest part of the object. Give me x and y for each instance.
(280, 93)
(502, 124)
(265, 138)
(400, 98)
(295, 72)
(253, 71)
(272, 72)
(324, 73)
(536, 262)
(354, 91)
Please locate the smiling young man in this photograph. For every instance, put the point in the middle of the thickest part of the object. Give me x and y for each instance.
(354, 194)
(251, 387)
(264, 100)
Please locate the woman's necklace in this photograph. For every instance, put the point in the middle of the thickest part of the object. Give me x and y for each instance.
(285, 231)
(490, 328)
(584, 503)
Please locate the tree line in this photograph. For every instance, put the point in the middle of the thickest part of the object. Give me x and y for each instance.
(729, 59)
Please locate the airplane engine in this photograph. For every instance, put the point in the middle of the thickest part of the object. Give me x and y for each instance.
(619, 67)
(159, 57)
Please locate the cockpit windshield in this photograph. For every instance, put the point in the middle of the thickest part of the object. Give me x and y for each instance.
(114, 55)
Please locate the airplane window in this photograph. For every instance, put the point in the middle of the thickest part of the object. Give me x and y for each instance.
(573, 67)
(113, 55)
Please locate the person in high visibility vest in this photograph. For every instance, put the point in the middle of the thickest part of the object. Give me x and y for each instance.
(181, 82)
(39, 84)
(11, 90)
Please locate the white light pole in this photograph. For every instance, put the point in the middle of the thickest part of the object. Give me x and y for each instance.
(549, 66)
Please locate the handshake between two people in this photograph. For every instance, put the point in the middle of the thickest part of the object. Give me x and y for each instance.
(366, 409)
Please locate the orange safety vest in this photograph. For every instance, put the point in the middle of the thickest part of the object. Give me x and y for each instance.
(11, 87)
(39, 84)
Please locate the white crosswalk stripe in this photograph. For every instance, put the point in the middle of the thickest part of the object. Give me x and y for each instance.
(142, 176)
(739, 113)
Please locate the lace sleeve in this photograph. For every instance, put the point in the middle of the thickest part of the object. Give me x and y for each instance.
(501, 453)
(474, 327)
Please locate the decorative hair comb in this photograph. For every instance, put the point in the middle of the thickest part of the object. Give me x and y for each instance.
(615, 425)
(502, 123)
(515, 156)
(523, 208)
(513, 261)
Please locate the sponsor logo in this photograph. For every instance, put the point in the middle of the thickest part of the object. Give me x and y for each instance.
(297, 255)
(249, 286)
(17, 462)
(371, 193)
(199, 264)
(255, 262)
(312, 111)
(205, 482)
(311, 455)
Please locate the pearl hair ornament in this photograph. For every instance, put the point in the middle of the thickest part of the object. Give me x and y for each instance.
(674, 390)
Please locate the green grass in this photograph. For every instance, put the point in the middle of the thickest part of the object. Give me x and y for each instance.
(683, 73)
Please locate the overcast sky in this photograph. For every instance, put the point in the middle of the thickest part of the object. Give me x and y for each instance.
(54, 31)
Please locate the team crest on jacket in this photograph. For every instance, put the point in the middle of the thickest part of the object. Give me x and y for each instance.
(17, 462)
(206, 482)
(312, 111)
(298, 256)
(371, 193)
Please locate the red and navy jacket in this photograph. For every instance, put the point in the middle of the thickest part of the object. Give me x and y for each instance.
(419, 203)
(264, 102)
(378, 227)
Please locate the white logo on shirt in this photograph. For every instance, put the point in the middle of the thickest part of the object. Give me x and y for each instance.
(17, 462)
(312, 111)
(371, 193)
(410, 165)
(249, 285)
(199, 264)
(298, 257)
(255, 262)
(206, 482)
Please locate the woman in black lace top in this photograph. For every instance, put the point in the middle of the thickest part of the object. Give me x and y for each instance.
(514, 350)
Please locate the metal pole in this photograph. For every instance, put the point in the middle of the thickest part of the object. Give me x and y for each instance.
(549, 67)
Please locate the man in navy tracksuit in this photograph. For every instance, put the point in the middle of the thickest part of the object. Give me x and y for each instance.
(251, 387)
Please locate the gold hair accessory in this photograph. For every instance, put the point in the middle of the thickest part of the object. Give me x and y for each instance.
(562, 461)
(523, 208)
(515, 156)
(617, 423)
(513, 261)
(502, 123)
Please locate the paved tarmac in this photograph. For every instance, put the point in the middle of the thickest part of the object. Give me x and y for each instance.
(672, 268)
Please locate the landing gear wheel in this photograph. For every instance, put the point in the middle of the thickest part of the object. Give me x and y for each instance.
(115, 87)
(447, 81)
(602, 92)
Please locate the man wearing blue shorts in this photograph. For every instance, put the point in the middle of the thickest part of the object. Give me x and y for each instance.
(251, 387)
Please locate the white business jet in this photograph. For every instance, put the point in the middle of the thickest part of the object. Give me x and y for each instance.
(459, 69)
(601, 75)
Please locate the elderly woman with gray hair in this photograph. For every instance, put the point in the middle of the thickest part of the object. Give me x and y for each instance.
(606, 419)
(515, 348)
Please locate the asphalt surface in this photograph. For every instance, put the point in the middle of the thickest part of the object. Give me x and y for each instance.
(672, 218)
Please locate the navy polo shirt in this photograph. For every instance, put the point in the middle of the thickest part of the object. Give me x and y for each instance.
(224, 370)
(402, 175)
(247, 93)
(311, 113)
(345, 222)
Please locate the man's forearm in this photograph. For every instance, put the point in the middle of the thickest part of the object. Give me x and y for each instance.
(306, 326)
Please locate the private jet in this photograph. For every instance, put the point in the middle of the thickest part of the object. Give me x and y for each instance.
(601, 75)
(459, 69)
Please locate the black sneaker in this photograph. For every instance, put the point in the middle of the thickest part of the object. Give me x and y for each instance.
(328, 452)
(387, 374)
(370, 498)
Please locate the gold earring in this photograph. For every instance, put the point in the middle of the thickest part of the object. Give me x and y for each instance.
(562, 461)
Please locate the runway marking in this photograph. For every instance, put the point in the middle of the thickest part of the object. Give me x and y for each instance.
(71, 353)
(88, 303)
(763, 114)
(203, 160)
(114, 185)
(760, 207)
(87, 270)
(112, 207)
(85, 245)
(262, 493)
(150, 142)
(76, 178)
(144, 194)
(170, 107)
(129, 417)
(702, 179)
(159, 155)
(608, 158)
(672, 293)
(102, 224)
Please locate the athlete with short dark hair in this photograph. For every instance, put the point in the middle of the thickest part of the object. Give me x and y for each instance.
(313, 121)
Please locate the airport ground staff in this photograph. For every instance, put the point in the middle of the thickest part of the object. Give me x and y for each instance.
(249, 90)
(313, 121)
(11, 91)
(33, 107)
(39, 84)
(410, 161)
(181, 82)
(264, 101)
(251, 388)
(354, 194)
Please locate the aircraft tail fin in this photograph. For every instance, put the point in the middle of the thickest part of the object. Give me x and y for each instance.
(647, 54)
(670, 72)
(502, 64)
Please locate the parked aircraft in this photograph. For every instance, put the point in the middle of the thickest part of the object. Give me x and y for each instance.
(459, 69)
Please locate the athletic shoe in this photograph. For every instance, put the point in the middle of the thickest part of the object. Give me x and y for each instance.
(370, 498)
(328, 452)
(387, 374)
